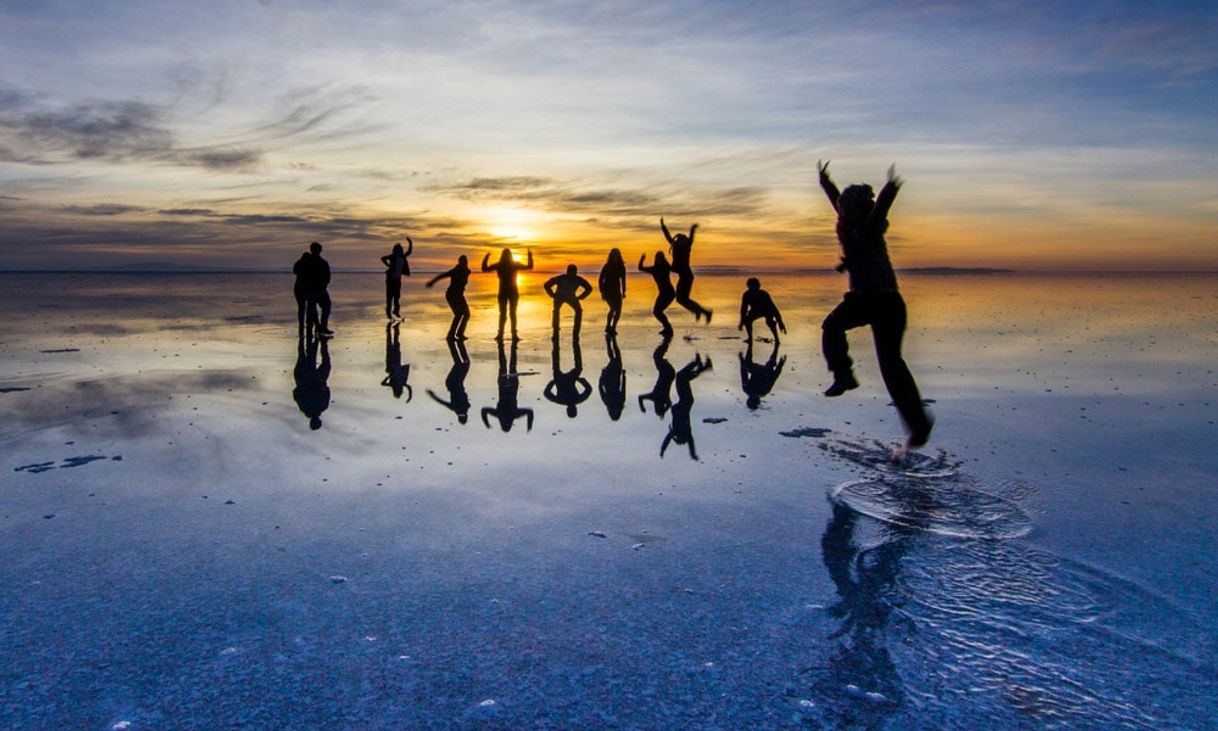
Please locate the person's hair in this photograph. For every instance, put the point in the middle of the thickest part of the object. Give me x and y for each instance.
(463, 259)
(615, 258)
(315, 247)
(397, 247)
(571, 269)
(505, 255)
(753, 283)
(661, 258)
(856, 198)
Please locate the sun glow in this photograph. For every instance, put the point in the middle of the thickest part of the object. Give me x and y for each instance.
(512, 225)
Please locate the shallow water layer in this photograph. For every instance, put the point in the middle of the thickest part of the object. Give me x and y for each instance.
(628, 533)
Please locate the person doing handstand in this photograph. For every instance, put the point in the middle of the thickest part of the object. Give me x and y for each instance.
(568, 289)
(873, 299)
(509, 293)
(757, 304)
(681, 246)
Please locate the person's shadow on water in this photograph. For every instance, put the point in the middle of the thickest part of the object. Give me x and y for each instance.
(312, 394)
(681, 430)
(458, 399)
(508, 409)
(757, 380)
(612, 384)
(660, 395)
(396, 374)
(567, 388)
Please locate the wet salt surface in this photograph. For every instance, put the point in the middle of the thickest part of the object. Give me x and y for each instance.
(1044, 563)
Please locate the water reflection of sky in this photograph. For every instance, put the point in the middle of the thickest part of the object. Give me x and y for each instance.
(157, 420)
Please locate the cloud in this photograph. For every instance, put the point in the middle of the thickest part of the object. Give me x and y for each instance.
(103, 209)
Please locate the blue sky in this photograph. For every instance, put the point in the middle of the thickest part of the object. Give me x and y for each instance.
(230, 134)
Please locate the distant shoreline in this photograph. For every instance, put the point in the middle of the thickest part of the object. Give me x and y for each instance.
(706, 271)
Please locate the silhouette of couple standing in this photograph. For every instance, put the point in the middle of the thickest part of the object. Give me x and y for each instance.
(312, 298)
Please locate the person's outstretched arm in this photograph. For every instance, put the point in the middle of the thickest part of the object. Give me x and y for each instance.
(744, 309)
(584, 287)
(530, 264)
(642, 267)
(528, 419)
(485, 260)
(486, 413)
(887, 195)
(440, 276)
(692, 229)
(623, 278)
(387, 260)
(409, 246)
(665, 230)
(778, 316)
(826, 183)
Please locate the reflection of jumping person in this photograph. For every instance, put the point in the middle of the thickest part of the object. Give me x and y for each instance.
(612, 384)
(661, 393)
(568, 388)
(396, 266)
(873, 300)
(681, 246)
(458, 277)
(508, 409)
(568, 289)
(458, 398)
(396, 374)
(660, 272)
(509, 293)
(312, 394)
(757, 380)
(681, 430)
(756, 304)
(612, 286)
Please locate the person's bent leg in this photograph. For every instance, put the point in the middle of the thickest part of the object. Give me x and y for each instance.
(888, 327)
(323, 300)
(849, 313)
(579, 316)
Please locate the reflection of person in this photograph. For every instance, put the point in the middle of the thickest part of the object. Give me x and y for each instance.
(312, 278)
(660, 272)
(757, 380)
(873, 300)
(612, 286)
(757, 304)
(458, 277)
(568, 289)
(660, 395)
(312, 394)
(509, 293)
(458, 399)
(681, 431)
(568, 388)
(508, 409)
(396, 374)
(612, 383)
(681, 247)
(396, 267)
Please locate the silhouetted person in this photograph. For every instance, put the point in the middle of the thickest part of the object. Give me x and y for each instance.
(568, 289)
(681, 430)
(509, 293)
(660, 272)
(757, 304)
(396, 266)
(873, 300)
(508, 409)
(758, 380)
(567, 388)
(612, 286)
(312, 394)
(612, 384)
(865, 579)
(660, 395)
(458, 277)
(312, 279)
(396, 374)
(458, 399)
(681, 246)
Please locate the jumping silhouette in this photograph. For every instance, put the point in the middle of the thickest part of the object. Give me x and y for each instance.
(567, 388)
(681, 430)
(458, 277)
(681, 247)
(873, 300)
(312, 278)
(396, 374)
(508, 409)
(755, 305)
(612, 384)
(660, 272)
(509, 293)
(458, 399)
(396, 266)
(312, 394)
(758, 380)
(660, 395)
(612, 286)
(568, 289)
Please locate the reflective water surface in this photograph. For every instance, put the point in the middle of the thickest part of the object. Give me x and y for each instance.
(208, 521)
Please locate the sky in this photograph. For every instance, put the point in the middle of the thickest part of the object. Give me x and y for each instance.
(1034, 136)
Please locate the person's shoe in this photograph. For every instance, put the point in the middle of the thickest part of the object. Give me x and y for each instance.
(841, 384)
(708, 316)
(920, 436)
(324, 331)
(499, 337)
